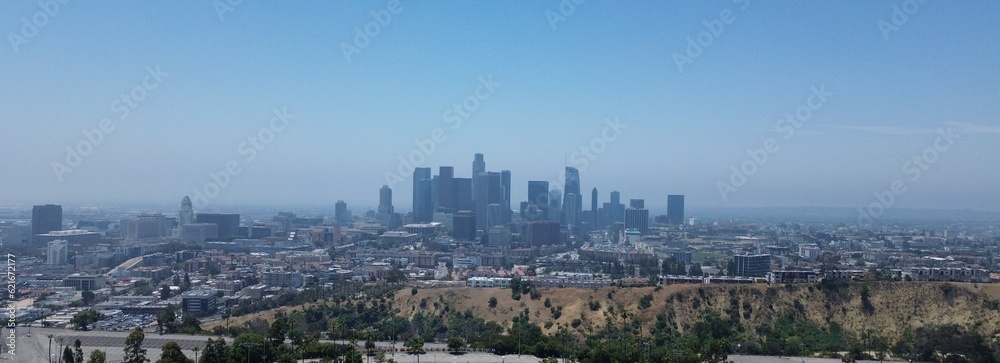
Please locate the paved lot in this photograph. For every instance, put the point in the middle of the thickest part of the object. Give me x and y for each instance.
(34, 349)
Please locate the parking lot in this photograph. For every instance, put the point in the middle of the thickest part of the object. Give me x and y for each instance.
(125, 322)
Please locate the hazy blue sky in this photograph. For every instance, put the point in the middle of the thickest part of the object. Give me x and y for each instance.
(686, 127)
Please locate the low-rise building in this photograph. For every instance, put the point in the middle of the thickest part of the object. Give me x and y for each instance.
(198, 303)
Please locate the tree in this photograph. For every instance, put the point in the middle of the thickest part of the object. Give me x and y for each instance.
(77, 352)
(278, 330)
(695, 270)
(97, 356)
(455, 344)
(214, 352)
(353, 356)
(190, 325)
(68, 355)
(370, 345)
(493, 302)
(88, 297)
(85, 318)
(167, 319)
(717, 351)
(134, 353)
(165, 292)
(415, 346)
(172, 354)
(394, 275)
(828, 261)
(213, 268)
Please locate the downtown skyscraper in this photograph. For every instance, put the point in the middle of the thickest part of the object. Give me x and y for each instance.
(423, 207)
(46, 218)
(385, 214)
(675, 209)
(186, 214)
(492, 199)
(537, 207)
(478, 166)
(572, 199)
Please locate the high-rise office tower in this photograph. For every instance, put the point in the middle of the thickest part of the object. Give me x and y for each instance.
(595, 217)
(491, 190)
(478, 166)
(46, 218)
(637, 218)
(464, 226)
(675, 209)
(56, 252)
(482, 198)
(148, 226)
(446, 190)
(228, 224)
(423, 211)
(463, 194)
(570, 208)
(505, 203)
(341, 214)
(572, 187)
(384, 215)
(615, 210)
(385, 200)
(540, 233)
(186, 214)
(555, 205)
(435, 189)
(494, 215)
(538, 197)
(637, 203)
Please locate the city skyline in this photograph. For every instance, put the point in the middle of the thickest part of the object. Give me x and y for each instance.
(710, 100)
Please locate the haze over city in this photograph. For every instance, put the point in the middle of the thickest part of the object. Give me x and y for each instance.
(500, 181)
(544, 81)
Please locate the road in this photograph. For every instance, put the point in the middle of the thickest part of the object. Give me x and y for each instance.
(34, 349)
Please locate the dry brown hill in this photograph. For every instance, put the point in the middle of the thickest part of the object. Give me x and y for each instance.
(889, 308)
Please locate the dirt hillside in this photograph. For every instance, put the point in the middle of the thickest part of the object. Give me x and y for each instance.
(889, 307)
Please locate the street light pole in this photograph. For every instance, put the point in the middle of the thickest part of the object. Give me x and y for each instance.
(248, 345)
(50, 348)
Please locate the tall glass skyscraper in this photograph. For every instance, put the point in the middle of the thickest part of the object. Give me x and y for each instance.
(46, 218)
(478, 166)
(423, 210)
(446, 190)
(675, 209)
(538, 197)
(572, 199)
(492, 188)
